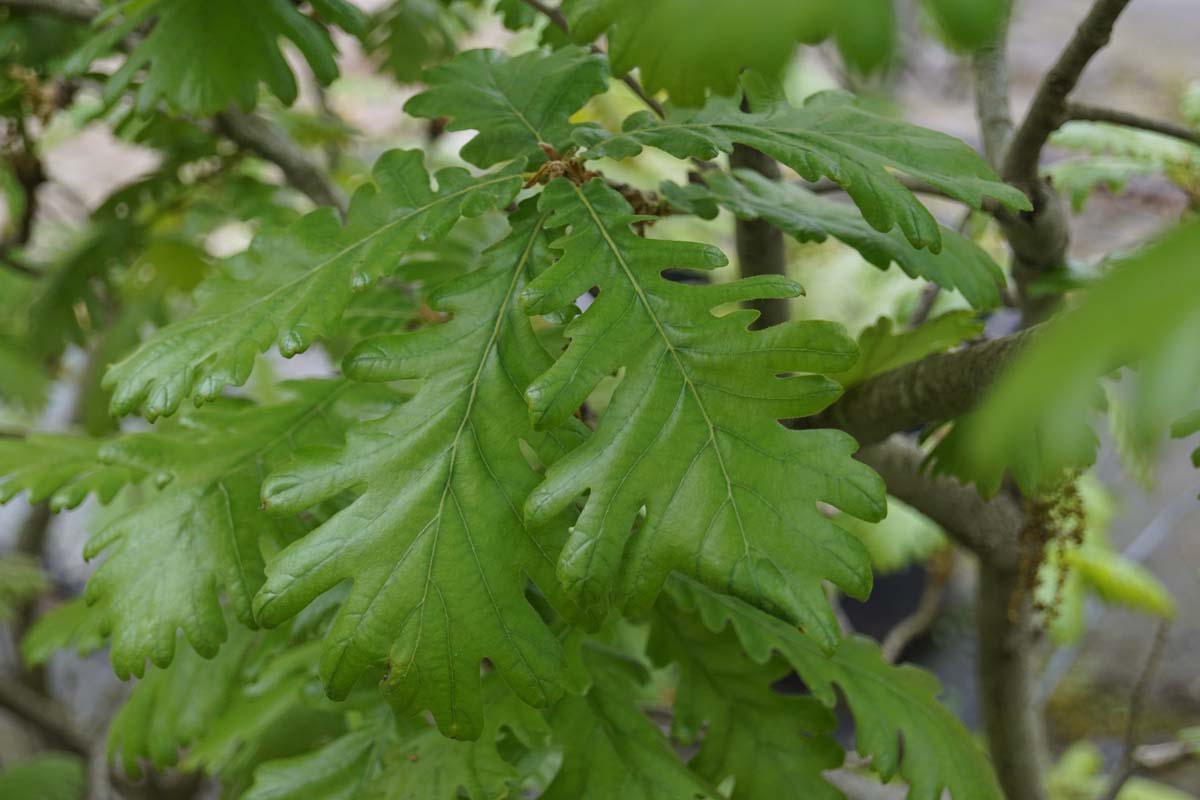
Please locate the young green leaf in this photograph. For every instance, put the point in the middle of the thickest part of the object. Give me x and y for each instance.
(436, 546)
(961, 265)
(202, 56)
(515, 103)
(691, 433)
(1120, 580)
(686, 53)
(886, 700)
(882, 350)
(770, 743)
(829, 136)
(291, 286)
(610, 748)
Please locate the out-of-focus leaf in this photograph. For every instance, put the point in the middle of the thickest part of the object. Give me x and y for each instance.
(202, 56)
(74, 625)
(1034, 421)
(1121, 581)
(969, 24)
(422, 764)
(51, 776)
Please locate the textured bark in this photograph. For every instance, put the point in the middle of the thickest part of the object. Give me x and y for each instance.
(938, 387)
(1014, 728)
(760, 245)
(988, 528)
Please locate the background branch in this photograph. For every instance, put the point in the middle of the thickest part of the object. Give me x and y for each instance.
(1086, 113)
(44, 715)
(1137, 698)
(987, 528)
(1045, 112)
(267, 140)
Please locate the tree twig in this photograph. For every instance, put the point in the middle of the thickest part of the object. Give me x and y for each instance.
(1137, 699)
(1006, 680)
(557, 19)
(268, 141)
(990, 68)
(1086, 113)
(916, 624)
(1020, 166)
(760, 245)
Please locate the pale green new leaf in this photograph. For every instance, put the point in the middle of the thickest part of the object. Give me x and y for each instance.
(889, 703)
(435, 546)
(515, 103)
(1120, 580)
(832, 137)
(291, 286)
(610, 748)
(961, 265)
(202, 56)
(880, 349)
(773, 745)
(691, 433)
(903, 538)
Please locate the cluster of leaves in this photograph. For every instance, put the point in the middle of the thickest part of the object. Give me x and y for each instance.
(438, 521)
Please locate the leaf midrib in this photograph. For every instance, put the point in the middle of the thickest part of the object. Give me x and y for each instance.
(687, 379)
(493, 339)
